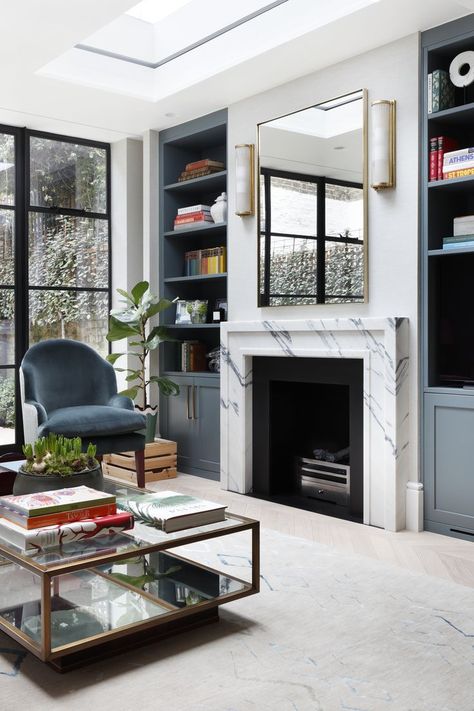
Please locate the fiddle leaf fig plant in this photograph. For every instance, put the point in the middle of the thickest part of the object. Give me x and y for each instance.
(132, 322)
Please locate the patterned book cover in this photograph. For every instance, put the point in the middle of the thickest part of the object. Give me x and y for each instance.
(46, 502)
(442, 91)
(53, 536)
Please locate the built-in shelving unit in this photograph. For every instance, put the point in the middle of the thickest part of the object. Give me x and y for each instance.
(198, 434)
(447, 344)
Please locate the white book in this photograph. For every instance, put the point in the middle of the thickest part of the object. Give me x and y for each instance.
(430, 93)
(194, 208)
(451, 167)
(449, 155)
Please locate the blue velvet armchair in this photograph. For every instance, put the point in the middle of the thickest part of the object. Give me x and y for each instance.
(68, 388)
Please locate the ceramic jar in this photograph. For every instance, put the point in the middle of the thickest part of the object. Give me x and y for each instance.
(219, 209)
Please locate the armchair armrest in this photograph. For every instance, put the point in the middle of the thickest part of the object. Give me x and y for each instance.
(34, 415)
(122, 401)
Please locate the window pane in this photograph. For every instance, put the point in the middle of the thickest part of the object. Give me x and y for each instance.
(67, 175)
(292, 271)
(7, 327)
(7, 407)
(68, 251)
(7, 169)
(82, 316)
(293, 206)
(7, 247)
(344, 272)
(344, 212)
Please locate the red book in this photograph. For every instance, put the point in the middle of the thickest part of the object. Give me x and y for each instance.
(445, 144)
(433, 165)
(192, 217)
(189, 215)
(30, 522)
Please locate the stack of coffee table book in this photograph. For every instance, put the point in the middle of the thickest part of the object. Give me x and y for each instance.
(52, 518)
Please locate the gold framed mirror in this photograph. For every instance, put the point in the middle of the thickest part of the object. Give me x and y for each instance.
(312, 204)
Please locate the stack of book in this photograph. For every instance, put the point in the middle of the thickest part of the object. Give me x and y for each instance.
(200, 168)
(192, 216)
(205, 261)
(193, 357)
(169, 511)
(52, 518)
(458, 164)
(441, 91)
(439, 147)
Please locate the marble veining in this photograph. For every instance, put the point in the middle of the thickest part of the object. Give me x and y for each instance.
(382, 344)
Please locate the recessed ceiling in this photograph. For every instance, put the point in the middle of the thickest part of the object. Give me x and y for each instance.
(193, 41)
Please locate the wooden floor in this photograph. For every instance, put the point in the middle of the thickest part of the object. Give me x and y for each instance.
(429, 553)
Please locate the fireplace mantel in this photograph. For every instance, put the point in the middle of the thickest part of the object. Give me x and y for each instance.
(382, 344)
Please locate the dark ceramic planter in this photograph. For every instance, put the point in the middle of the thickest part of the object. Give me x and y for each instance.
(26, 483)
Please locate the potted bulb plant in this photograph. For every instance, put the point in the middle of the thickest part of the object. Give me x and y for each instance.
(132, 322)
(56, 462)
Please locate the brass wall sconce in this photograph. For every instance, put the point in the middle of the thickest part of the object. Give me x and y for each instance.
(245, 179)
(382, 144)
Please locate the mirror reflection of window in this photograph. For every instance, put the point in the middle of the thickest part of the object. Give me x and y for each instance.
(311, 205)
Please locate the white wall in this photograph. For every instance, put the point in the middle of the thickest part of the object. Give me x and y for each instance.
(127, 223)
(390, 72)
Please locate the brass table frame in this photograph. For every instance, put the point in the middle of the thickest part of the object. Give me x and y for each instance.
(133, 634)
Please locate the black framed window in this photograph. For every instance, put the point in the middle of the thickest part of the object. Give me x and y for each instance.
(313, 251)
(55, 243)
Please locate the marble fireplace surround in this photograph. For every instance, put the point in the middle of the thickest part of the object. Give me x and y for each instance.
(382, 344)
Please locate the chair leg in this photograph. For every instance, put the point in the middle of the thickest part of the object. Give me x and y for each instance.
(140, 468)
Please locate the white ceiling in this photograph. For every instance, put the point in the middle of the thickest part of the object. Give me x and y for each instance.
(37, 32)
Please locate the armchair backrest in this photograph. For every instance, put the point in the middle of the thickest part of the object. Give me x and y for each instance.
(62, 373)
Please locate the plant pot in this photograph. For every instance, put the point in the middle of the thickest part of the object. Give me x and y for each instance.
(151, 414)
(26, 483)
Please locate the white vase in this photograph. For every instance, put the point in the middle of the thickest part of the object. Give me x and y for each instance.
(219, 209)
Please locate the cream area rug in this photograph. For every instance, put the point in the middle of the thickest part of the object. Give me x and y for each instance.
(329, 631)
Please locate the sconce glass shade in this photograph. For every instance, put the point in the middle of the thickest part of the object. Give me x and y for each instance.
(244, 179)
(382, 144)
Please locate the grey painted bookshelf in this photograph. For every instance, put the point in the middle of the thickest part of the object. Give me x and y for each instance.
(447, 316)
(192, 418)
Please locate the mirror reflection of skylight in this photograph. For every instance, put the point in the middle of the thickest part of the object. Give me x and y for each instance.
(333, 118)
(191, 41)
(152, 11)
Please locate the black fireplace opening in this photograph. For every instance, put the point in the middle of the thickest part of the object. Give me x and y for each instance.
(308, 433)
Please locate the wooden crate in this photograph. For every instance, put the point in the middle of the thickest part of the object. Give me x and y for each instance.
(160, 463)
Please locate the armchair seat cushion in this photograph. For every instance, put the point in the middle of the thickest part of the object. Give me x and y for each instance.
(92, 421)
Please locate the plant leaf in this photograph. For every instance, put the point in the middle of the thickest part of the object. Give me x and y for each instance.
(133, 376)
(119, 330)
(138, 291)
(158, 307)
(113, 357)
(166, 386)
(127, 296)
(130, 392)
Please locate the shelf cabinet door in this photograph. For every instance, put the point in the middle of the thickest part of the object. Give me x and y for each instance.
(177, 421)
(207, 414)
(449, 460)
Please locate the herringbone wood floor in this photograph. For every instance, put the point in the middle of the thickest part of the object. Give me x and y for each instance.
(428, 553)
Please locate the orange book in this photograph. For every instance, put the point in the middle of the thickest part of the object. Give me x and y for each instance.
(50, 519)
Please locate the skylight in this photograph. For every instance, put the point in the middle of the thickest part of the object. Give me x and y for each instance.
(152, 11)
(161, 47)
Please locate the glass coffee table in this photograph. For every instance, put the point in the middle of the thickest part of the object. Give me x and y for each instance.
(72, 605)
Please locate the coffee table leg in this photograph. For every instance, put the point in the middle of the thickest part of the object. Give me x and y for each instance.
(140, 468)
